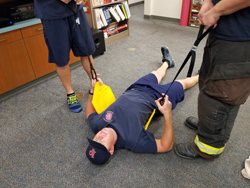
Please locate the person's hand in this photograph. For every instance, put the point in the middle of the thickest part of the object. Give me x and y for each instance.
(66, 1)
(78, 2)
(166, 106)
(210, 18)
(207, 16)
(93, 81)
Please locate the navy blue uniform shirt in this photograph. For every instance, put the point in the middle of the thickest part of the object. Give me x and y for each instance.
(233, 27)
(54, 9)
(127, 116)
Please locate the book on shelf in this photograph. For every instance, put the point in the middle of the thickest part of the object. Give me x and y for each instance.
(114, 29)
(98, 21)
(119, 12)
(123, 10)
(107, 15)
(102, 2)
(114, 14)
(116, 11)
(125, 3)
(103, 18)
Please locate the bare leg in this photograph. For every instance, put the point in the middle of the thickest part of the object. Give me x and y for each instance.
(189, 82)
(161, 72)
(86, 66)
(65, 77)
(64, 73)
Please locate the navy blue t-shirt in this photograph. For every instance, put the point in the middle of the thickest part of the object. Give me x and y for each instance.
(127, 116)
(54, 9)
(233, 27)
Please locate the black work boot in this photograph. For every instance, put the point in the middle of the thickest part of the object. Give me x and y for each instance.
(192, 123)
(186, 151)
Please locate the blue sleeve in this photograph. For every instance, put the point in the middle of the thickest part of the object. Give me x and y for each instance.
(146, 143)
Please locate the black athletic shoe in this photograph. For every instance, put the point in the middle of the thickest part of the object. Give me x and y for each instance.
(166, 57)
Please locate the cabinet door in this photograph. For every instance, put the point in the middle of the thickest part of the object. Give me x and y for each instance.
(15, 66)
(38, 53)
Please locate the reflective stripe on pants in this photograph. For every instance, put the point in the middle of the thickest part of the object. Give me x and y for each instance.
(206, 148)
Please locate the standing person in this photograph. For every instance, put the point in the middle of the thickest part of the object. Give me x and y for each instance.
(58, 19)
(121, 125)
(224, 80)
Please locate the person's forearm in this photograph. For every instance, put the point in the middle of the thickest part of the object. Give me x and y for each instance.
(167, 139)
(89, 107)
(226, 7)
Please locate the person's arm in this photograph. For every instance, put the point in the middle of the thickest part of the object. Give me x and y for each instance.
(167, 140)
(224, 7)
(89, 107)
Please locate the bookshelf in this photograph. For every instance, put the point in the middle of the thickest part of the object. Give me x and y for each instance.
(195, 7)
(114, 37)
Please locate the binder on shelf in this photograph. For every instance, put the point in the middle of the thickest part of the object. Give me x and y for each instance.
(125, 3)
(117, 7)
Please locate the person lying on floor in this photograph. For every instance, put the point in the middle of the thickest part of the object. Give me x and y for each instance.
(121, 125)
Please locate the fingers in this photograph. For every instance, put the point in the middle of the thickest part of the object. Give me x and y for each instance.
(78, 2)
(100, 81)
(159, 102)
(97, 79)
(166, 106)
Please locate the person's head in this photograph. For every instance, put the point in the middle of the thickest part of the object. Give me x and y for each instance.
(102, 146)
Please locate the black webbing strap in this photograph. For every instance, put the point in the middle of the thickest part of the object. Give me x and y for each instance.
(77, 23)
(192, 54)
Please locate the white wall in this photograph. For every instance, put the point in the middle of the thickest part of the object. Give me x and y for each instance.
(163, 8)
(135, 1)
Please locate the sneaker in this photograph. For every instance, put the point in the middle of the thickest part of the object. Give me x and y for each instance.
(73, 103)
(166, 57)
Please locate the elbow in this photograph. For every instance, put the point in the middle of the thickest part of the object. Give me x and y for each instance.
(169, 147)
(163, 147)
(87, 114)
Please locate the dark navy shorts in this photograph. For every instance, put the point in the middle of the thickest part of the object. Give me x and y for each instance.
(59, 40)
(149, 84)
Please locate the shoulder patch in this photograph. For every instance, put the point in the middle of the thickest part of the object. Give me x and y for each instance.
(108, 116)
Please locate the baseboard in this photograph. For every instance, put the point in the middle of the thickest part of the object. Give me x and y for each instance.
(162, 18)
(137, 3)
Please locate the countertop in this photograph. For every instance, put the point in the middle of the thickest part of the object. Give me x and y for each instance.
(21, 24)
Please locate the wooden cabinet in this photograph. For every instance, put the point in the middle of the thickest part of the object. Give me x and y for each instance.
(114, 37)
(15, 65)
(195, 7)
(38, 51)
(24, 57)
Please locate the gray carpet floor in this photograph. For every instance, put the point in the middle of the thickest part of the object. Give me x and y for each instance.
(42, 144)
